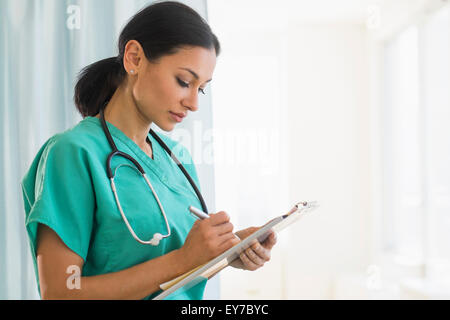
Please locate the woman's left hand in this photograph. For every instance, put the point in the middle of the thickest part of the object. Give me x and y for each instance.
(257, 254)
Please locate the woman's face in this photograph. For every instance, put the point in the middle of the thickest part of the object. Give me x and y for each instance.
(172, 85)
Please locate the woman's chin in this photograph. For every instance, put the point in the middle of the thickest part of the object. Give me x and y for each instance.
(166, 126)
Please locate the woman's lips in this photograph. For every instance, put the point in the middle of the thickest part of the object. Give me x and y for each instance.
(178, 117)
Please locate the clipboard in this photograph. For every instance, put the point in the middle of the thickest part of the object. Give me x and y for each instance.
(202, 272)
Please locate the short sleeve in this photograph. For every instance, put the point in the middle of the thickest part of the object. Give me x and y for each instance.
(58, 192)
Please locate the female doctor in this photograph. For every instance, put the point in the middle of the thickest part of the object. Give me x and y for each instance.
(98, 227)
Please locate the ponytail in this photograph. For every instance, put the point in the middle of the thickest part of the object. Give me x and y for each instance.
(96, 84)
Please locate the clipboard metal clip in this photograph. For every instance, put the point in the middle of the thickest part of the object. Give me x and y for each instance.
(307, 204)
(302, 206)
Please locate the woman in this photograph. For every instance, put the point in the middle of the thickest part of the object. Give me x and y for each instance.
(77, 225)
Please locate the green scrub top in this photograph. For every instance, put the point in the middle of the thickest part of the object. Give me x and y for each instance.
(67, 189)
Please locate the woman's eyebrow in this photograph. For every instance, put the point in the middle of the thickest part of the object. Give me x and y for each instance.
(193, 73)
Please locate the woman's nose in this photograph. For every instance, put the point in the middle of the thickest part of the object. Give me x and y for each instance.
(191, 102)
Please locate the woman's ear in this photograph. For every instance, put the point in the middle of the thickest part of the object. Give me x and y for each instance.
(132, 58)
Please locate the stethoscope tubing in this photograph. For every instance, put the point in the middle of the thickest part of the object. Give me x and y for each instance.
(115, 152)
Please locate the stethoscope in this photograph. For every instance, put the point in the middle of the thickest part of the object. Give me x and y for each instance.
(115, 152)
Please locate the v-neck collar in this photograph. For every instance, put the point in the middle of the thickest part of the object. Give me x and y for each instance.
(160, 155)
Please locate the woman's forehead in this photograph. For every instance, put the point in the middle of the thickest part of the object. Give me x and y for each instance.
(197, 61)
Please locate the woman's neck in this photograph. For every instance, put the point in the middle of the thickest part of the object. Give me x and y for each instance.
(121, 111)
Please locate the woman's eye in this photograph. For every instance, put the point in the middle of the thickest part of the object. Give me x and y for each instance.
(186, 85)
(182, 83)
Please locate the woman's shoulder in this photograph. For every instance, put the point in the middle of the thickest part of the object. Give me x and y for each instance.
(81, 140)
(73, 147)
(83, 135)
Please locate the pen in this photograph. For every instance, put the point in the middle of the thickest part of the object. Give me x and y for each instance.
(199, 213)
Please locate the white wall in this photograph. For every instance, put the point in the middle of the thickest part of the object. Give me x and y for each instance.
(316, 70)
(249, 98)
(309, 83)
(329, 155)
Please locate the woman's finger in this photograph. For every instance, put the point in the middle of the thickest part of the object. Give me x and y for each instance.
(270, 241)
(255, 258)
(262, 252)
(249, 265)
(224, 228)
(226, 238)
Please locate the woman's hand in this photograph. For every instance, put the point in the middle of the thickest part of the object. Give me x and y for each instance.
(208, 238)
(257, 254)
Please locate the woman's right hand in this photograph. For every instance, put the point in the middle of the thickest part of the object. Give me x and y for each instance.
(208, 238)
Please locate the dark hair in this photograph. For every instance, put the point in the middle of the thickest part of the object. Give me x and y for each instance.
(161, 28)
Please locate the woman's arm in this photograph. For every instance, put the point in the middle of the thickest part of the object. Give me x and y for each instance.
(206, 239)
(54, 258)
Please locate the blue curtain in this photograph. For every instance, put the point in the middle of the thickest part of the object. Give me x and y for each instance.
(43, 45)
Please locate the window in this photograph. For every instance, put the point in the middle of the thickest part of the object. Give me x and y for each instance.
(436, 100)
(402, 128)
(416, 145)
